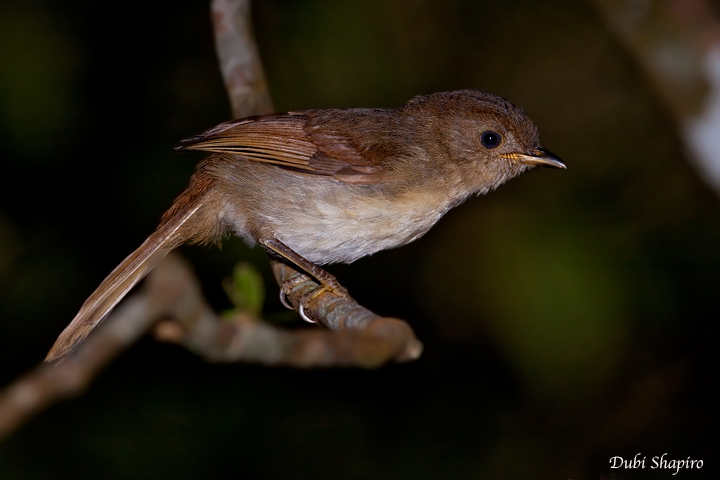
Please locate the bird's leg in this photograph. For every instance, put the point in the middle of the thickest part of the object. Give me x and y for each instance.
(328, 283)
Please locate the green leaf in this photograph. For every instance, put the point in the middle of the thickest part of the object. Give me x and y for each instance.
(246, 289)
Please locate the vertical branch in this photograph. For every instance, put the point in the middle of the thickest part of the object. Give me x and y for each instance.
(239, 58)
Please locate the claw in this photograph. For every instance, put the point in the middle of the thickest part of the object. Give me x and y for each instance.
(332, 287)
(301, 312)
(283, 300)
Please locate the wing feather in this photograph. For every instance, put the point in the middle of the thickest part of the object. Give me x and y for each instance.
(282, 140)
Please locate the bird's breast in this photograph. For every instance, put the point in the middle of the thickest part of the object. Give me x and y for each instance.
(346, 226)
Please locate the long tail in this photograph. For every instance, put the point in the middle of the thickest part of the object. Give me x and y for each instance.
(179, 225)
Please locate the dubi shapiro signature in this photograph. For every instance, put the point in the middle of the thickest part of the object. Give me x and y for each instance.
(657, 462)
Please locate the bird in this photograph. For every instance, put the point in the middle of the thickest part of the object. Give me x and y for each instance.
(325, 186)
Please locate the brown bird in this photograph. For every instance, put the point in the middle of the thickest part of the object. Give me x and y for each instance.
(326, 186)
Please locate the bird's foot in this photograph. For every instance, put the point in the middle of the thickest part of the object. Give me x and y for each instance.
(331, 286)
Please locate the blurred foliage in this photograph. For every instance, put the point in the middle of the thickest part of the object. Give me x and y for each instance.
(567, 318)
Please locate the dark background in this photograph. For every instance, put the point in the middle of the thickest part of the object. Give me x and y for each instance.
(567, 318)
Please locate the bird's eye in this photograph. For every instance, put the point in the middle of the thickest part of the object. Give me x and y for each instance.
(490, 139)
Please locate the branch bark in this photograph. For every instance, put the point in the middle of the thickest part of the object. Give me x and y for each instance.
(239, 58)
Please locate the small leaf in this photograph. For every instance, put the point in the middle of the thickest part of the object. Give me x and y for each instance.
(246, 289)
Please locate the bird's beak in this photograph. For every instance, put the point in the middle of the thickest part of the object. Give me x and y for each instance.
(540, 157)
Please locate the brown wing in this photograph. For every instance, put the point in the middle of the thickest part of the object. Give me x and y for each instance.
(281, 139)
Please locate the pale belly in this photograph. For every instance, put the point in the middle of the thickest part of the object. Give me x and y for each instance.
(327, 221)
(325, 233)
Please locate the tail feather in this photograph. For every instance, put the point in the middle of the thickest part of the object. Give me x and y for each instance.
(172, 233)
